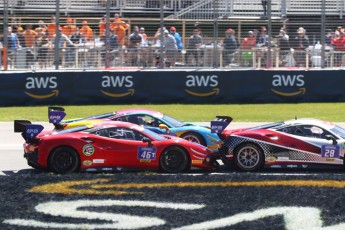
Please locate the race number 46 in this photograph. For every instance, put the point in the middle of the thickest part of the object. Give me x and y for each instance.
(330, 151)
(147, 153)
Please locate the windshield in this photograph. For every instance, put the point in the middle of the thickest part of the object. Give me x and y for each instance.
(339, 131)
(153, 134)
(173, 121)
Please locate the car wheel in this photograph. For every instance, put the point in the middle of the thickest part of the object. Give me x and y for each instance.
(194, 137)
(64, 160)
(174, 160)
(249, 157)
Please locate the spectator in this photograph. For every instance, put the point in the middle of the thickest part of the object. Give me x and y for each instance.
(43, 44)
(102, 25)
(42, 27)
(230, 46)
(194, 47)
(134, 46)
(66, 49)
(86, 31)
(170, 48)
(300, 44)
(284, 46)
(339, 45)
(30, 41)
(262, 38)
(21, 39)
(329, 37)
(77, 37)
(12, 45)
(338, 31)
(120, 31)
(144, 41)
(69, 28)
(51, 27)
(247, 45)
(119, 22)
(177, 38)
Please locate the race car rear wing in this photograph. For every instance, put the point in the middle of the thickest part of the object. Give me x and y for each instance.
(28, 130)
(219, 124)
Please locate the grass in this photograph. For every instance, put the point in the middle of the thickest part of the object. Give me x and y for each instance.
(198, 113)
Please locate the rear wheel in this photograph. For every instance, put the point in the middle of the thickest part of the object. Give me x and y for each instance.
(194, 137)
(174, 160)
(249, 157)
(64, 160)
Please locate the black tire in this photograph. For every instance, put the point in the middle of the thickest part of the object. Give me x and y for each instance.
(249, 157)
(194, 137)
(64, 160)
(174, 160)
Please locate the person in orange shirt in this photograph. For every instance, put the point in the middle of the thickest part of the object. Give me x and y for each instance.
(119, 22)
(121, 33)
(69, 28)
(102, 26)
(52, 27)
(30, 36)
(87, 31)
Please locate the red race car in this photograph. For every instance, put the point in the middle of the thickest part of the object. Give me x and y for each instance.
(109, 146)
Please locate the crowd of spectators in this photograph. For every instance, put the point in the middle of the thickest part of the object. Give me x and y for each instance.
(129, 45)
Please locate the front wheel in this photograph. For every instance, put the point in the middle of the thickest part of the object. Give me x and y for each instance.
(194, 137)
(174, 160)
(64, 160)
(249, 157)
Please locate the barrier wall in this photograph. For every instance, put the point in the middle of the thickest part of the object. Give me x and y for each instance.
(166, 86)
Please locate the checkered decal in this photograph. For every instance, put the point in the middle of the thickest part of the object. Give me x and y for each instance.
(271, 150)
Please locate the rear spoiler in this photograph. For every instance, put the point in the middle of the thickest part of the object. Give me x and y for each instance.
(55, 116)
(219, 124)
(27, 129)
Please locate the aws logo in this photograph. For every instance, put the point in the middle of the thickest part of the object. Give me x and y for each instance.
(123, 82)
(202, 86)
(44, 87)
(288, 85)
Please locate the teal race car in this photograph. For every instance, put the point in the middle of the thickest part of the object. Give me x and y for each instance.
(153, 120)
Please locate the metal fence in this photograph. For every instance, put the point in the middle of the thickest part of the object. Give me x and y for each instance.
(207, 31)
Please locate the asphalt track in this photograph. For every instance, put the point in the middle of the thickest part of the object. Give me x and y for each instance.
(226, 199)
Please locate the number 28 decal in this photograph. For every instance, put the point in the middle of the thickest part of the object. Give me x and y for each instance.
(330, 151)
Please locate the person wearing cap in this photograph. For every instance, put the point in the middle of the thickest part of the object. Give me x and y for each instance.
(300, 43)
(247, 45)
(69, 28)
(170, 48)
(87, 31)
(193, 48)
(177, 38)
(230, 46)
(134, 46)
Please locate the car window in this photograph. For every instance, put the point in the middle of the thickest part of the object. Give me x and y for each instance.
(124, 134)
(311, 131)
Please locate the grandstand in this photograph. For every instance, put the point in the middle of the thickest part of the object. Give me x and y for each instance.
(178, 9)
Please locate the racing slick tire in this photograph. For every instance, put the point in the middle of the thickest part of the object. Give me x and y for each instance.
(64, 160)
(249, 157)
(174, 160)
(194, 137)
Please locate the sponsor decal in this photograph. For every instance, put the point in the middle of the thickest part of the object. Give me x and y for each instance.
(196, 161)
(218, 126)
(288, 85)
(330, 159)
(87, 163)
(117, 82)
(144, 161)
(204, 83)
(98, 161)
(88, 150)
(33, 130)
(271, 158)
(283, 158)
(40, 85)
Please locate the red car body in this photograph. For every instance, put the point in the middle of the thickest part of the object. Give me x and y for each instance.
(111, 145)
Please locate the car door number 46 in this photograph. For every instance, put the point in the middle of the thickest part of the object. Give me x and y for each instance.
(292, 218)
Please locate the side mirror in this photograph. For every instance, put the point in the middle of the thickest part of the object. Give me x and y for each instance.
(330, 137)
(147, 140)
